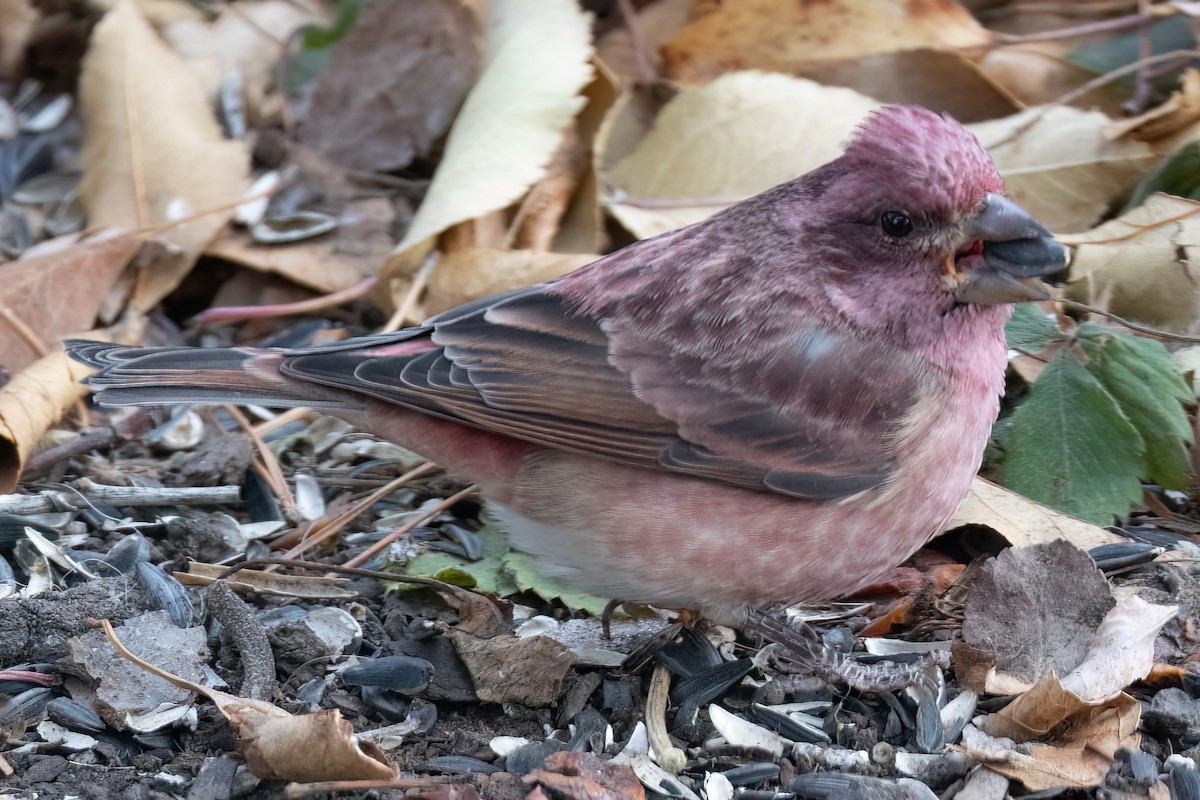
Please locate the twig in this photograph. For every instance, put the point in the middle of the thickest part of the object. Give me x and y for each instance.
(1109, 77)
(332, 526)
(80, 444)
(267, 465)
(620, 197)
(370, 552)
(279, 420)
(87, 494)
(1143, 86)
(409, 304)
(224, 314)
(1133, 326)
(641, 58)
(1086, 29)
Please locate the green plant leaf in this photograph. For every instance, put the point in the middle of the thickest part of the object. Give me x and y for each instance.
(486, 572)
(1030, 329)
(501, 571)
(1072, 447)
(1140, 374)
(316, 37)
(1177, 174)
(526, 572)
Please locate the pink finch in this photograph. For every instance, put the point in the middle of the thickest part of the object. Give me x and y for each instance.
(778, 404)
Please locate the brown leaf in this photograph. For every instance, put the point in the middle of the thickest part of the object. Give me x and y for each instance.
(29, 404)
(1037, 608)
(154, 152)
(506, 669)
(714, 144)
(789, 37)
(538, 63)
(1080, 758)
(584, 776)
(1022, 521)
(393, 84)
(18, 18)
(327, 264)
(943, 80)
(481, 272)
(1139, 265)
(281, 746)
(56, 293)
(1061, 165)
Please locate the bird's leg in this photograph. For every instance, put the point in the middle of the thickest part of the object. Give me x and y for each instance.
(606, 617)
(805, 647)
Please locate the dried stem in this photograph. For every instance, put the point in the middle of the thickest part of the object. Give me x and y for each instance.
(370, 552)
(225, 314)
(1133, 326)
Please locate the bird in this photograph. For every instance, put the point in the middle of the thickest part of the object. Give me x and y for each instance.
(775, 405)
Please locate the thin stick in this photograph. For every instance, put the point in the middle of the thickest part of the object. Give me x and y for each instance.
(409, 304)
(1109, 77)
(281, 419)
(370, 552)
(326, 529)
(224, 314)
(1133, 326)
(1086, 29)
(267, 465)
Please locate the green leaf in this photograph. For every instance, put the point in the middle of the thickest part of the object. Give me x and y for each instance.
(1072, 447)
(486, 572)
(501, 571)
(318, 38)
(1177, 174)
(1030, 329)
(1140, 374)
(526, 572)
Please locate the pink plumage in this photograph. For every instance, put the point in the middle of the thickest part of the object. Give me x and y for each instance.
(777, 404)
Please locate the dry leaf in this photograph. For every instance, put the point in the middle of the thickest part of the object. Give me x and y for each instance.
(1138, 266)
(537, 62)
(1039, 73)
(328, 264)
(154, 152)
(582, 227)
(18, 18)
(393, 84)
(1080, 759)
(1022, 521)
(657, 23)
(55, 294)
(506, 669)
(274, 584)
(29, 404)
(941, 80)
(1058, 163)
(281, 746)
(788, 37)
(481, 272)
(1170, 125)
(740, 135)
(247, 39)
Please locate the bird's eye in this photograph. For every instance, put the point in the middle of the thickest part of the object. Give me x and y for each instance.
(896, 223)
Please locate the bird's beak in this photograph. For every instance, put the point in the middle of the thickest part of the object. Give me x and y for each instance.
(1007, 248)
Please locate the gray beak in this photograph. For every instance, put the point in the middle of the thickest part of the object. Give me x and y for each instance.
(1015, 248)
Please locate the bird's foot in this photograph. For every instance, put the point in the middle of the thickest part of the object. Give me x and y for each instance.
(805, 647)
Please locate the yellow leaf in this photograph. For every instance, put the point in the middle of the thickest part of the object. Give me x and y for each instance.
(154, 153)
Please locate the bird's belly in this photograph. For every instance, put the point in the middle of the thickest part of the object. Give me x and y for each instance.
(645, 536)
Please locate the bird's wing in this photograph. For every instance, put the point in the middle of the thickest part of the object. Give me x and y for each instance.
(816, 415)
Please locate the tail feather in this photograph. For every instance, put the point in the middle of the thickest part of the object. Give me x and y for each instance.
(137, 376)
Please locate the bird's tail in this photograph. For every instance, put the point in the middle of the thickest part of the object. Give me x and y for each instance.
(142, 376)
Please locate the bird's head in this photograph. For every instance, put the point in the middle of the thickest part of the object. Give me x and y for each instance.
(916, 194)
